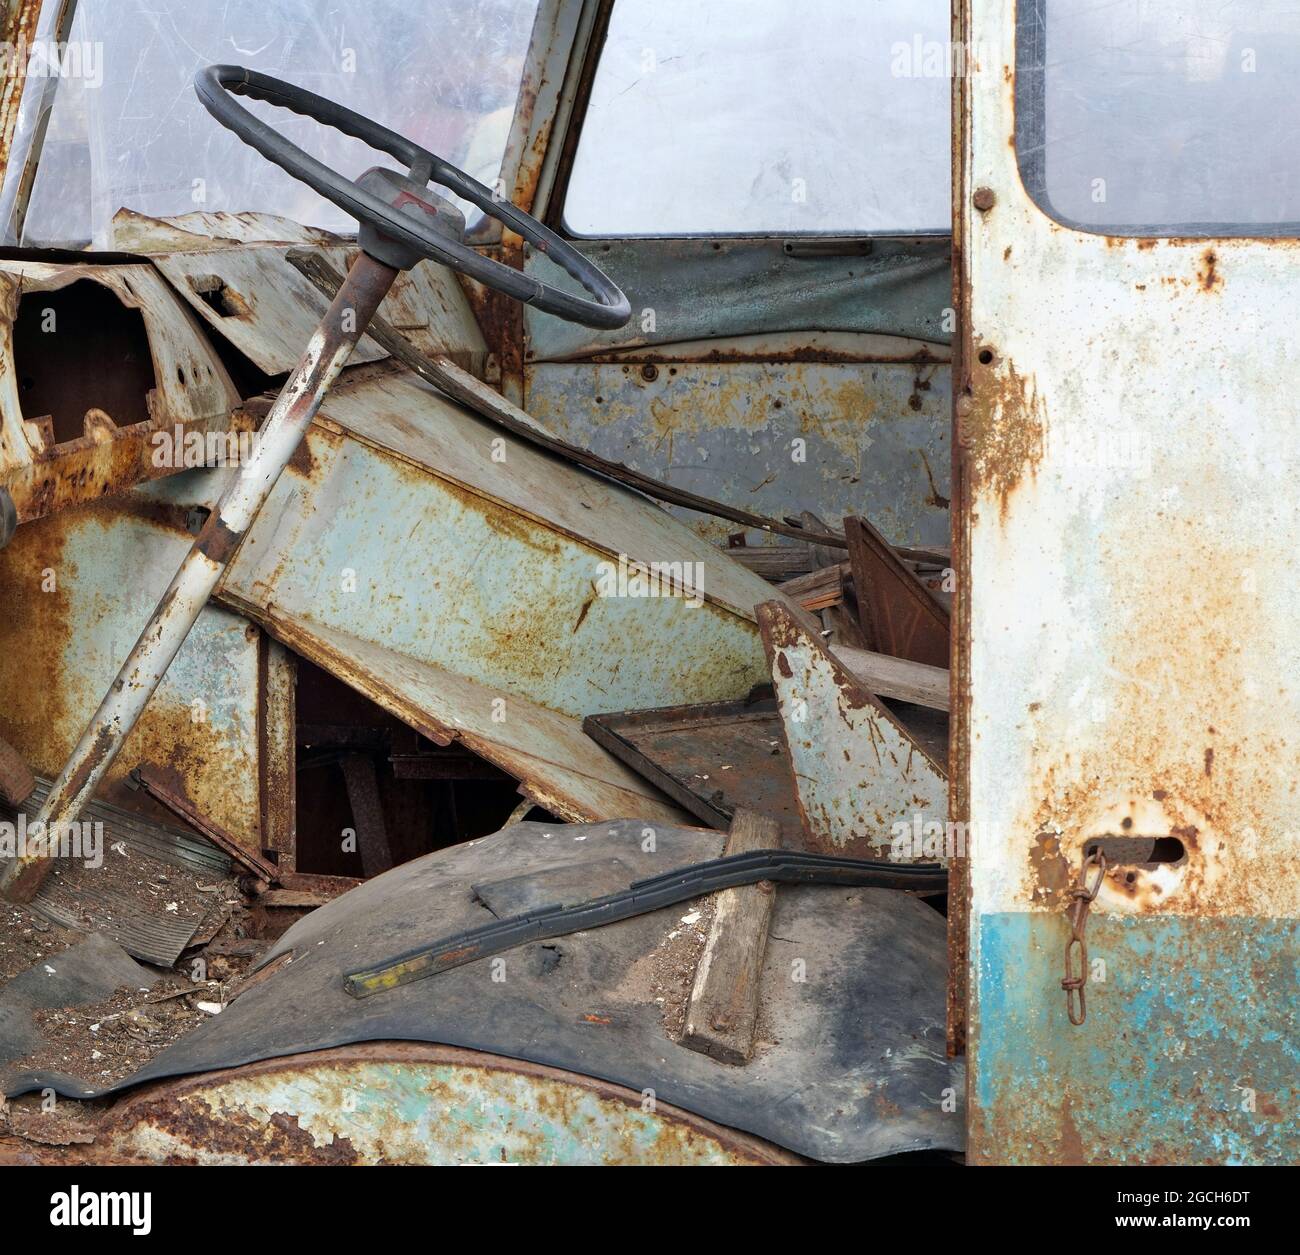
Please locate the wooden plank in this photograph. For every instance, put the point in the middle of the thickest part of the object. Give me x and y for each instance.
(723, 1007)
(773, 562)
(840, 623)
(896, 678)
(899, 615)
(367, 813)
(818, 589)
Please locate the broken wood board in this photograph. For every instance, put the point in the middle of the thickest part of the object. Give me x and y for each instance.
(819, 589)
(899, 615)
(896, 678)
(866, 787)
(711, 758)
(723, 1006)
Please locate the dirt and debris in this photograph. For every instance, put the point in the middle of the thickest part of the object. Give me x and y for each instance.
(666, 974)
(159, 889)
(26, 937)
(106, 1041)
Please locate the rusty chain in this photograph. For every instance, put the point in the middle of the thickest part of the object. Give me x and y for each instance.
(1081, 898)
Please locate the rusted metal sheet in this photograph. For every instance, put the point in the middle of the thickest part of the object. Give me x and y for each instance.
(77, 587)
(556, 766)
(867, 785)
(142, 419)
(411, 522)
(408, 1103)
(186, 595)
(899, 616)
(710, 758)
(1122, 394)
(278, 753)
(773, 437)
(251, 296)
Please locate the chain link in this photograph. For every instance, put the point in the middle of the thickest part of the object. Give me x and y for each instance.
(1076, 948)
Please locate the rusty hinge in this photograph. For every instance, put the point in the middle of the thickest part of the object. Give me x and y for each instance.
(1081, 898)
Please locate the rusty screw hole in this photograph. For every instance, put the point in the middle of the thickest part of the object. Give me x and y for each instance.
(986, 357)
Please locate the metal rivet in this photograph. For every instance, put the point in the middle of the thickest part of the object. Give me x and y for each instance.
(984, 199)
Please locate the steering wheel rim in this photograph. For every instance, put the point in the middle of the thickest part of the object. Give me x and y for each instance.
(218, 85)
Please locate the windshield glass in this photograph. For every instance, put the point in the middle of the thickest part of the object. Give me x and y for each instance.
(740, 116)
(128, 131)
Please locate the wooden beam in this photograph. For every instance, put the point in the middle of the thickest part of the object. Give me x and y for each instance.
(896, 678)
(367, 813)
(818, 589)
(723, 1007)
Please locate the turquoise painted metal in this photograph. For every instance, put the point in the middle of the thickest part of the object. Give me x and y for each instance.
(407, 1103)
(1190, 1052)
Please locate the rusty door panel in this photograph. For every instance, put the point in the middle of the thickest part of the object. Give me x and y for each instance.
(1108, 693)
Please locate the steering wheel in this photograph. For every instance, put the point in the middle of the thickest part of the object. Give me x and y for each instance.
(401, 221)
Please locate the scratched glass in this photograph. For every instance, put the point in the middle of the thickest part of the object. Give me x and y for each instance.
(765, 116)
(1161, 117)
(127, 130)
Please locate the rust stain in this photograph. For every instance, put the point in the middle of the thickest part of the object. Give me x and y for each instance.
(1006, 428)
(1207, 272)
(1050, 870)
